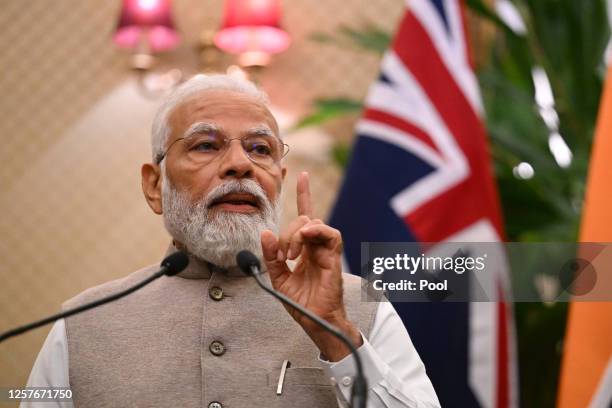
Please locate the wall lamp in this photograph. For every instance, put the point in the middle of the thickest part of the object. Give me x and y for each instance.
(250, 30)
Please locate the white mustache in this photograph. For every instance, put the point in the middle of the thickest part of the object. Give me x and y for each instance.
(236, 186)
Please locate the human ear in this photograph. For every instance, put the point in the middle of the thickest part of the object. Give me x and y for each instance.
(151, 186)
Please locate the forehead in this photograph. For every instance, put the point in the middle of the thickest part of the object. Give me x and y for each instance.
(228, 108)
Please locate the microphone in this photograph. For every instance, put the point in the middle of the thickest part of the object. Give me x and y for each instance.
(170, 266)
(250, 265)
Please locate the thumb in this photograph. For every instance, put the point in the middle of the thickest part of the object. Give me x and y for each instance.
(277, 269)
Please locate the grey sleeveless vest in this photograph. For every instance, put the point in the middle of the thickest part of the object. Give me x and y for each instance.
(204, 338)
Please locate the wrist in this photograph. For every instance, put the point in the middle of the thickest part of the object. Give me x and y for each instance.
(331, 347)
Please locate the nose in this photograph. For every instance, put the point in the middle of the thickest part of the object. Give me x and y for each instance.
(235, 162)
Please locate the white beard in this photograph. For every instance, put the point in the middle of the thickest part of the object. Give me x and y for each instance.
(218, 236)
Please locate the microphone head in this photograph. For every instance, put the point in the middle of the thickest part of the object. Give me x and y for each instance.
(246, 260)
(175, 263)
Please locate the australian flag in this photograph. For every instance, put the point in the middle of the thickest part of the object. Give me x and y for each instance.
(420, 171)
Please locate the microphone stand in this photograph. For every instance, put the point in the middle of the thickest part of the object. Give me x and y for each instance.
(359, 391)
(170, 266)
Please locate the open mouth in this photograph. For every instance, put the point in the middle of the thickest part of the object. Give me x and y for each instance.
(240, 202)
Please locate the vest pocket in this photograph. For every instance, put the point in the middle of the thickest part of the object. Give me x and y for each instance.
(300, 376)
(303, 387)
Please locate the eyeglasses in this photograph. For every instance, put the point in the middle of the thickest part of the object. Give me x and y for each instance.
(201, 149)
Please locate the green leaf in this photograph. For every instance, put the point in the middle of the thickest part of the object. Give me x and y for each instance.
(327, 109)
(341, 152)
(369, 38)
(322, 37)
(483, 10)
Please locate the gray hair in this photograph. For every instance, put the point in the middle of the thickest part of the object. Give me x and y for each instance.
(161, 130)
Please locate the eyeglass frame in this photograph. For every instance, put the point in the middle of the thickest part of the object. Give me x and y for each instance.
(160, 157)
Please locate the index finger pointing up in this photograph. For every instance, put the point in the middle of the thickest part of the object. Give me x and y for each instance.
(304, 205)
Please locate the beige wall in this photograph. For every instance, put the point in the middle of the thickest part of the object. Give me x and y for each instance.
(74, 131)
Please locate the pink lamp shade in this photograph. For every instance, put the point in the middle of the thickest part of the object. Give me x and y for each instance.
(252, 26)
(149, 21)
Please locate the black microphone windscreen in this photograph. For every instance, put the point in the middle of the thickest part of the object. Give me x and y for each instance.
(175, 263)
(246, 260)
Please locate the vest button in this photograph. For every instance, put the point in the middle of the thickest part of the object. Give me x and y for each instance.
(215, 404)
(216, 293)
(217, 348)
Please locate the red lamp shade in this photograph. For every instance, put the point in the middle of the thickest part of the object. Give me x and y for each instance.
(149, 21)
(252, 26)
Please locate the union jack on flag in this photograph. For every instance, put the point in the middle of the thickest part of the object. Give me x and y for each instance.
(420, 171)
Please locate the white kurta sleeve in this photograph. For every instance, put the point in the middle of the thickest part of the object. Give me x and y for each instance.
(395, 373)
(51, 367)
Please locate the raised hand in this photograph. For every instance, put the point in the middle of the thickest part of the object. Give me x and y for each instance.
(316, 280)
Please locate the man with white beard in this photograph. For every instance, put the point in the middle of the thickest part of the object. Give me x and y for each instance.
(210, 337)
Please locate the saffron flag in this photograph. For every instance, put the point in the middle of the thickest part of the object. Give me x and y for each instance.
(420, 171)
(586, 373)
